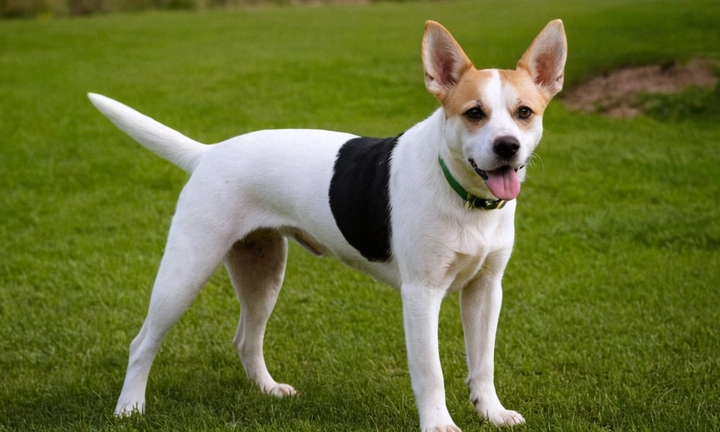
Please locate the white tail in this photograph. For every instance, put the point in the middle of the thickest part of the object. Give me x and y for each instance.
(158, 138)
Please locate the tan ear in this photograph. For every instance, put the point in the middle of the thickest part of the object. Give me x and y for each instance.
(443, 59)
(545, 59)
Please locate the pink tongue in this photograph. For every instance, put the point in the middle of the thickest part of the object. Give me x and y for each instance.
(503, 183)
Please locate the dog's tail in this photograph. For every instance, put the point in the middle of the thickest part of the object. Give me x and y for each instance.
(160, 139)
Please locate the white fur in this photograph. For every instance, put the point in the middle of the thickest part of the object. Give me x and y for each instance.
(248, 194)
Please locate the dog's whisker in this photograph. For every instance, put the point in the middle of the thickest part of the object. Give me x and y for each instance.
(534, 157)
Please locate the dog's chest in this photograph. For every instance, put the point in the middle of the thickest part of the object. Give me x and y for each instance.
(464, 268)
(478, 247)
(359, 196)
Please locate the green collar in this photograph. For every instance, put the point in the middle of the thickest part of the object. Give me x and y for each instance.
(471, 201)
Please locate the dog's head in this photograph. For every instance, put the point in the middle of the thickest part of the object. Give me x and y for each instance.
(493, 118)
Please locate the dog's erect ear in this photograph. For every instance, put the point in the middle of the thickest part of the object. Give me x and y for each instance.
(545, 59)
(443, 59)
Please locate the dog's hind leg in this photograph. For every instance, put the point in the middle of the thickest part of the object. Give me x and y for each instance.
(257, 266)
(194, 250)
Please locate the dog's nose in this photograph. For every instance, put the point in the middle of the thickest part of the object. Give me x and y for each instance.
(506, 146)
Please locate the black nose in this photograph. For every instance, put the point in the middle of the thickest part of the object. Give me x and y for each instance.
(506, 146)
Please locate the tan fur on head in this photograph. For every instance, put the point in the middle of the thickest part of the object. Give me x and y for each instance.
(445, 62)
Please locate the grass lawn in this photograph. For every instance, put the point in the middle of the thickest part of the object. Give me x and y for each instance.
(610, 318)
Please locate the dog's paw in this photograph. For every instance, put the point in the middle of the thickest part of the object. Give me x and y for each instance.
(503, 417)
(126, 409)
(279, 390)
(444, 428)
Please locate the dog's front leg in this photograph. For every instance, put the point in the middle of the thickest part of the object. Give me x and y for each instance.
(421, 308)
(480, 307)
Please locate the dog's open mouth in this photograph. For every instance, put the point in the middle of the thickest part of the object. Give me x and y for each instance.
(503, 182)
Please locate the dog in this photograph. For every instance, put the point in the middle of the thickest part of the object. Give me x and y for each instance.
(429, 212)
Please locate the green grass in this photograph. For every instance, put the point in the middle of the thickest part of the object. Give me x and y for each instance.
(610, 318)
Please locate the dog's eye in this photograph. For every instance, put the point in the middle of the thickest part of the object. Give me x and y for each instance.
(524, 113)
(475, 113)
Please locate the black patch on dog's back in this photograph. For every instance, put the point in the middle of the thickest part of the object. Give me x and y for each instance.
(359, 195)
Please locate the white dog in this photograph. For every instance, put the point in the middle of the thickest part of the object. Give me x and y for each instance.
(429, 212)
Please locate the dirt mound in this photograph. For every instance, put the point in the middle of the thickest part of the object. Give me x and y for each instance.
(615, 94)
